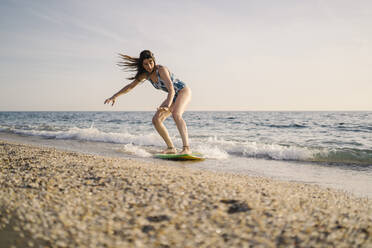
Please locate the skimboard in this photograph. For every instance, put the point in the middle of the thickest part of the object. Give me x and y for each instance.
(181, 157)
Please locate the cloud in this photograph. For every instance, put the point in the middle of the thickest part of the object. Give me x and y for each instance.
(53, 14)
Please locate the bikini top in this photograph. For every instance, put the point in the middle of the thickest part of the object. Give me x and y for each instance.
(160, 84)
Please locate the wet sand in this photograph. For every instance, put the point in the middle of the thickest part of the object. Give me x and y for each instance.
(55, 198)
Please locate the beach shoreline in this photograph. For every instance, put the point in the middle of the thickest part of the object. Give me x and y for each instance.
(68, 199)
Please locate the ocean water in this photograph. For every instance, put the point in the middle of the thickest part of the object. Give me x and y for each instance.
(332, 149)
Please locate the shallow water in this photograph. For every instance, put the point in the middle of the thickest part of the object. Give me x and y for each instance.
(327, 148)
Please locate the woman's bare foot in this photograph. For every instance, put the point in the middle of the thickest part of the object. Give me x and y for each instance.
(185, 150)
(169, 150)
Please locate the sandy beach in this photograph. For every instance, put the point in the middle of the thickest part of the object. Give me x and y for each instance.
(54, 198)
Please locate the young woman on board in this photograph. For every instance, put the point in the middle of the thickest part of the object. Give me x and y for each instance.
(179, 95)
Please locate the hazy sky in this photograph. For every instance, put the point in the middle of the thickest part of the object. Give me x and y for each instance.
(235, 55)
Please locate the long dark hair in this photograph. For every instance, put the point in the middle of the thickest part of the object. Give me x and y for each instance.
(133, 64)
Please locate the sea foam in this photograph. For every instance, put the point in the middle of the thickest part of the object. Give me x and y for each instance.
(94, 134)
(136, 150)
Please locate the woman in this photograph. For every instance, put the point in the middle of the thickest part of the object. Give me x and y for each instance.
(179, 95)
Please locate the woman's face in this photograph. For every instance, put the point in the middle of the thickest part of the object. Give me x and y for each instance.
(148, 64)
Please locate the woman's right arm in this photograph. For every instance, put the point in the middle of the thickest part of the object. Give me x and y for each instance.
(124, 90)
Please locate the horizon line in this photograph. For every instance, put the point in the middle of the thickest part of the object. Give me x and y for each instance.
(229, 110)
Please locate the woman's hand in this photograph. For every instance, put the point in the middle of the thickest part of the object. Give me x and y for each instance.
(163, 109)
(111, 99)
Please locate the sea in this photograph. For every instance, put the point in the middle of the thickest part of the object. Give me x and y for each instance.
(330, 149)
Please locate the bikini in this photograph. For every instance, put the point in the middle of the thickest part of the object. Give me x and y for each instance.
(160, 85)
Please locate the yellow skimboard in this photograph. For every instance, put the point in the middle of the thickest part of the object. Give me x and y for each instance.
(181, 157)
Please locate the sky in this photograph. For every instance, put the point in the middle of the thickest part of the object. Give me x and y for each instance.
(268, 55)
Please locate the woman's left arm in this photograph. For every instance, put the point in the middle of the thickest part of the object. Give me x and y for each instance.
(164, 75)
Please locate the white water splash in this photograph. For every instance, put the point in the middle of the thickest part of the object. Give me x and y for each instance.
(136, 150)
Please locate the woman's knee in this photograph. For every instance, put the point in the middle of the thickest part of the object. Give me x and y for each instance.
(159, 118)
(156, 120)
(177, 116)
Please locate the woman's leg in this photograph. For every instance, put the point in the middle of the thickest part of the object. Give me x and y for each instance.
(157, 120)
(177, 109)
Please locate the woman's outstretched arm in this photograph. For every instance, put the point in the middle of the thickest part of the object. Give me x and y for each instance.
(124, 90)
